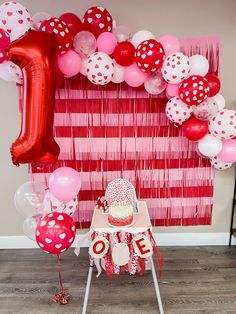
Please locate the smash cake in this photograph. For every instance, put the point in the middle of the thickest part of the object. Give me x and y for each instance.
(120, 195)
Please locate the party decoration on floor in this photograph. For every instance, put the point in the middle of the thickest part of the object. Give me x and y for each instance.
(15, 19)
(64, 184)
(35, 53)
(97, 20)
(62, 32)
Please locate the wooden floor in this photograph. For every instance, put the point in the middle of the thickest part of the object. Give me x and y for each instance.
(195, 280)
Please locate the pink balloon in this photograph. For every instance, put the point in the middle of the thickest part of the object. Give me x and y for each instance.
(172, 90)
(170, 44)
(64, 184)
(69, 63)
(133, 76)
(228, 152)
(106, 42)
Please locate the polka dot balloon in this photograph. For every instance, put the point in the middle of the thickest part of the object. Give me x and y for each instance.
(15, 19)
(97, 20)
(64, 36)
(100, 68)
(218, 164)
(175, 68)
(149, 55)
(194, 90)
(223, 124)
(55, 233)
(177, 111)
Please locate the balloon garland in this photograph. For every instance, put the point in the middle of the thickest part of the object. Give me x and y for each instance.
(104, 52)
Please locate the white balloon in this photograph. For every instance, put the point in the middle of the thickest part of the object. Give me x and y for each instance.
(100, 68)
(206, 110)
(209, 145)
(19, 20)
(177, 111)
(175, 68)
(9, 71)
(38, 18)
(52, 204)
(122, 33)
(199, 65)
(218, 164)
(141, 36)
(118, 76)
(220, 101)
(223, 124)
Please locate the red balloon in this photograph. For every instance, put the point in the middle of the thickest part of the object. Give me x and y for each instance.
(149, 55)
(4, 42)
(63, 34)
(124, 53)
(97, 20)
(55, 232)
(214, 84)
(72, 21)
(35, 53)
(195, 129)
(194, 90)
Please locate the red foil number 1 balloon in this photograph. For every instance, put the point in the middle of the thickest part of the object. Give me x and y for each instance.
(35, 53)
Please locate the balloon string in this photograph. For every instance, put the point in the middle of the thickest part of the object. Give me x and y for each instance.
(59, 272)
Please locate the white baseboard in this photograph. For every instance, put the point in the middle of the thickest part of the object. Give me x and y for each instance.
(162, 239)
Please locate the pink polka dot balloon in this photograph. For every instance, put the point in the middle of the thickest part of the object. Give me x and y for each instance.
(218, 164)
(175, 68)
(14, 18)
(177, 111)
(100, 68)
(149, 55)
(223, 124)
(64, 36)
(55, 233)
(4, 42)
(120, 192)
(194, 90)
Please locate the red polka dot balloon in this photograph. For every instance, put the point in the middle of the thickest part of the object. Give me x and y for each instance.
(100, 68)
(97, 20)
(194, 90)
(55, 232)
(149, 55)
(64, 36)
(4, 42)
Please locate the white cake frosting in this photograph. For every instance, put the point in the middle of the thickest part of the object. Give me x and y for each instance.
(121, 211)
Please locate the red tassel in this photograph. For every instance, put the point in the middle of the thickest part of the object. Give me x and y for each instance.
(160, 260)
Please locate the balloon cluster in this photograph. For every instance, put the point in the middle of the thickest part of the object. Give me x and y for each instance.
(48, 212)
(106, 53)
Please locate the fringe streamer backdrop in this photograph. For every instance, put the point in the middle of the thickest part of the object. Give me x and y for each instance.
(115, 131)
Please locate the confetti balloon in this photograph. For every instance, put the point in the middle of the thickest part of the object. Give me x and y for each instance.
(223, 124)
(177, 111)
(155, 84)
(122, 33)
(55, 233)
(206, 110)
(218, 164)
(4, 42)
(97, 20)
(175, 68)
(84, 44)
(64, 36)
(149, 55)
(15, 19)
(100, 68)
(194, 90)
(38, 18)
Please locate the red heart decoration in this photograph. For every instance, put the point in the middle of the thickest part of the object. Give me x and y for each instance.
(20, 12)
(20, 21)
(4, 22)
(9, 13)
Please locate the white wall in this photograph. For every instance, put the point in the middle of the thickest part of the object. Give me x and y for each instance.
(183, 18)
